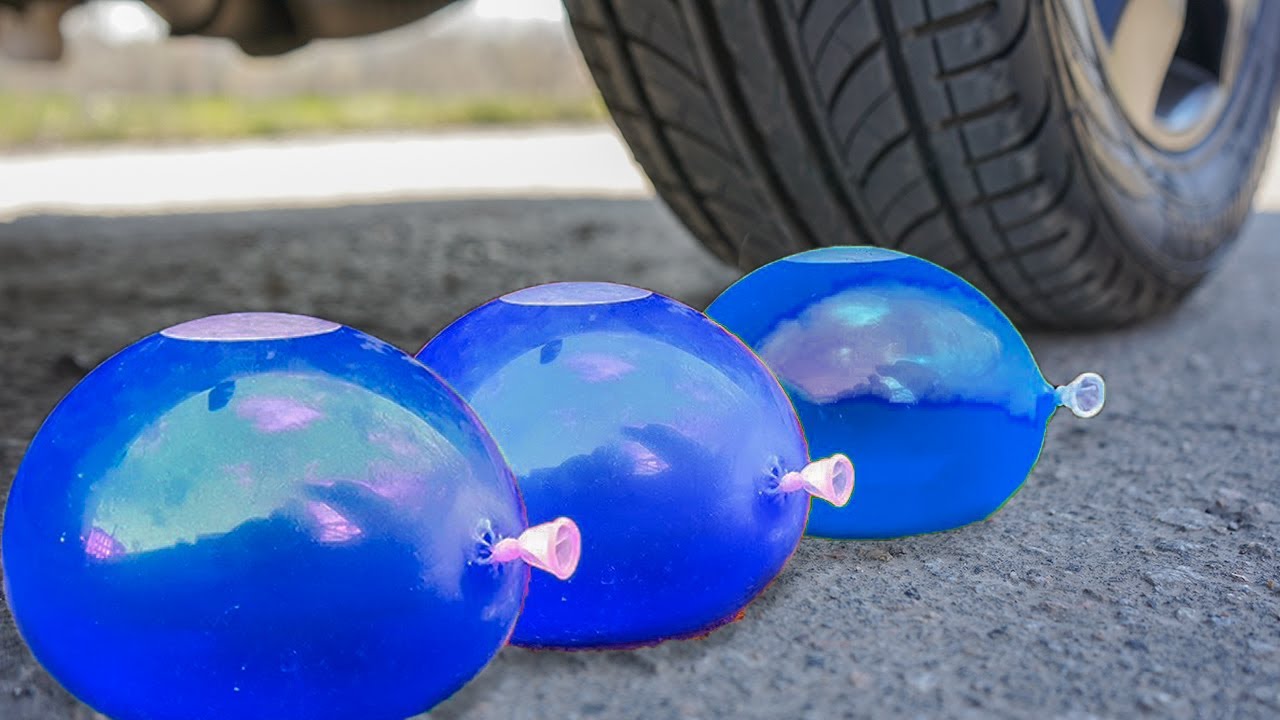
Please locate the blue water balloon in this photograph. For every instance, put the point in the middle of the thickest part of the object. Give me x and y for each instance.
(663, 436)
(908, 369)
(267, 516)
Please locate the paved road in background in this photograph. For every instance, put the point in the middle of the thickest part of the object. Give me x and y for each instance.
(1137, 574)
(566, 162)
(547, 162)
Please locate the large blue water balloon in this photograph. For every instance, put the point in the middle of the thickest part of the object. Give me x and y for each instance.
(663, 436)
(912, 372)
(266, 516)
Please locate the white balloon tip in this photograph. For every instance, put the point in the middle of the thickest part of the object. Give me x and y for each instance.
(1084, 396)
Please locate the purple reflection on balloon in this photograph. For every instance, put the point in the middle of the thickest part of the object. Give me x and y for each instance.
(896, 343)
(241, 473)
(645, 461)
(277, 414)
(334, 526)
(598, 367)
(396, 440)
(101, 545)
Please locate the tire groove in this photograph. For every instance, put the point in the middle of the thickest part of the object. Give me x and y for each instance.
(662, 55)
(728, 203)
(915, 225)
(1016, 189)
(984, 61)
(825, 41)
(1090, 239)
(1031, 137)
(858, 124)
(884, 152)
(1006, 247)
(633, 76)
(992, 108)
(804, 100)
(901, 195)
(920, 134)
(702, 141)
(963, 17)
(1036, 246)
(1055, 201)
(701, 23)
(804, 11)
(847, 74)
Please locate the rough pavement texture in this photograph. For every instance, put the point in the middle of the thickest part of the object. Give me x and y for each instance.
(1137, 574)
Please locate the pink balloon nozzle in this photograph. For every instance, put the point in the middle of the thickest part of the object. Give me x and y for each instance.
(553, 546)
(829, 478)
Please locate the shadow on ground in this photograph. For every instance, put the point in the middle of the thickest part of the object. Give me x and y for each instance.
(1137, 573)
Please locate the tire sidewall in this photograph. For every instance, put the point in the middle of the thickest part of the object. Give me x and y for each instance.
(1181, 209)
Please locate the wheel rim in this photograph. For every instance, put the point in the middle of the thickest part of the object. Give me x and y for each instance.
(1172, 64)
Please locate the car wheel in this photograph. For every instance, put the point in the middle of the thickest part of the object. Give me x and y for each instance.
(1083, 162)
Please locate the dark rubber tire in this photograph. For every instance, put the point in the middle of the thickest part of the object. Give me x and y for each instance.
(977, 134)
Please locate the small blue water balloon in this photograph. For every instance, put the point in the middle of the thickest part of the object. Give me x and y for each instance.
(908, 369)
(267, 516)
(664, 437)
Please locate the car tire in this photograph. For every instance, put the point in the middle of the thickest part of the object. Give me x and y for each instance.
(988, 137)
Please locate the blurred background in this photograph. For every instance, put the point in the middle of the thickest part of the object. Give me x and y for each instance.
(481, 62)
(484, 97)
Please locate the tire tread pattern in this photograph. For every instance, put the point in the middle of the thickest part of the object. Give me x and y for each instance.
(943, 128)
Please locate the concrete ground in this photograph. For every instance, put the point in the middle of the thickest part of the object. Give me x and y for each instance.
(1137, 574)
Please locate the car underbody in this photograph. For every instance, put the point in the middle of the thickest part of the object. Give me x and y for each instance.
(29, 29)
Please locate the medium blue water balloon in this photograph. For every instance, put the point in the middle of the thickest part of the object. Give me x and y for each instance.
(909, 370)
(266, 516)
(668, 442)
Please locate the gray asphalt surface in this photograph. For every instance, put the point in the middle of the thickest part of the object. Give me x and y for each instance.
(1137, 573)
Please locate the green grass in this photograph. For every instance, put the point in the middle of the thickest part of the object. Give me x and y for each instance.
(64, 119)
